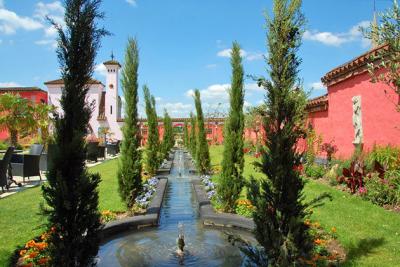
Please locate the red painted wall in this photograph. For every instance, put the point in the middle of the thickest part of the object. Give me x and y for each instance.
(380, 119)
(35, 96)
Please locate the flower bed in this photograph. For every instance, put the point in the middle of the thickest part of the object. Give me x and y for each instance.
(35, 252)
(143, 200)
(208, 185)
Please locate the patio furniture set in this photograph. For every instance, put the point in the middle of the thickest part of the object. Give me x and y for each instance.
(15, 163)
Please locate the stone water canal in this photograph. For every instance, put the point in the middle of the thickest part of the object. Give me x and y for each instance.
(205, 246)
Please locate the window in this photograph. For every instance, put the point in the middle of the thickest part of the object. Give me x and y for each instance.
(110, 109)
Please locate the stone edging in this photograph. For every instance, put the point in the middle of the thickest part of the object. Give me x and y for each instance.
(151, 218)
(210, 217)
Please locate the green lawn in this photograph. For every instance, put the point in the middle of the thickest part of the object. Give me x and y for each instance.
(370, 234)
(19, 214)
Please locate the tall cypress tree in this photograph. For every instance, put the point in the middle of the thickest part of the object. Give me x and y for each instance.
(130, 167)
(231, 181)
(168, 138)
(186, 135)
(193, 136)
(279, 200)
(152, 147)
(202, 154)
(71, 191)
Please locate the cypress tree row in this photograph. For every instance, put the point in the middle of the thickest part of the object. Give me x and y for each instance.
(231, 181)
(152, 148)
(186, 135)
(168, 138)
(71, 192)
(193, 139)
(279, 200)
(130, 167)
(202, 154)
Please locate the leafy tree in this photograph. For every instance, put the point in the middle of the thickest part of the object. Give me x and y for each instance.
(253, 120)
(152, 148)
(130, 167)
(202, 153)
(231, 181)
(388, 58)
(16, 116)
(71, 192)
(168, 138)
(186, 135)
(41, 112)
(280, 208)
(193, 139)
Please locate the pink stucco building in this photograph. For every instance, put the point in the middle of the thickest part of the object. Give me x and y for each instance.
(331, 115)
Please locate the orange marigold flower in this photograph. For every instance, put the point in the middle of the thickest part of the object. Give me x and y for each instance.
(318, 241)
(43, 261)
(307, 222)
(30, 244)
(333, 229)
(317, 224)
(33, 255)
(22, 252)
(41, 245)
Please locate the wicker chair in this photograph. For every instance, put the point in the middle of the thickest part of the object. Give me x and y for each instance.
(92, 151)
(27, 165)
(4, 169)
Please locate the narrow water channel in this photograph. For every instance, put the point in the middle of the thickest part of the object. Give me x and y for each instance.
(157, 246)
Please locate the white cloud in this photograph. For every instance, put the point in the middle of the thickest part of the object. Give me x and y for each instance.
(101, 70)
(9, 84)
(338, 39)
(131, 2)
(215, 92)
(253, 87)
(250, 56)
(177, 109)
(10, 22)
(45, 42)
(317, 86)
(211, 66)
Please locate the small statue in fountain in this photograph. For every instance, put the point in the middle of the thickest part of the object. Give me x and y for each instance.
(180, 241)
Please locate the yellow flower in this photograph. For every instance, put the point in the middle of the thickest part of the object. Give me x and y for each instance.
(333, 229)
(22, 252)
(30, 244)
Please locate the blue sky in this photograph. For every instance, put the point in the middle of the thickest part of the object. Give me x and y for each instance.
(184, 44)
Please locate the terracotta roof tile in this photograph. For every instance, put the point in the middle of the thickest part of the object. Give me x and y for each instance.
(61, 81)
(351, 68)
(21, 89)
(112, 62)
(319, 103)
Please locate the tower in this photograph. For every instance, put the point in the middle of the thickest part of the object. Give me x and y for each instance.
(112, 100)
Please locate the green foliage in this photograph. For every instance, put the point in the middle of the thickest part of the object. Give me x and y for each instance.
(315, 171)
(71, 191)
(383, 191)
(3, 145)
(231, 181)
(279, 201)
(168, 138)
(387, 156)
(313, 145)
(153, 145)
(193, 136)
(186, 135)
(202, 154)
(130, 167)
(386, 32)
(16, 116)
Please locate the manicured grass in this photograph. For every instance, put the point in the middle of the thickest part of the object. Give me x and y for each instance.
(20, 220)
(369, 233)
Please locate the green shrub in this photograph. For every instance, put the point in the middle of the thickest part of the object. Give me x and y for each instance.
(341, 164)
(3, 146)
(387, 156)
(331, 175)
(315, 171)
(383, 191)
